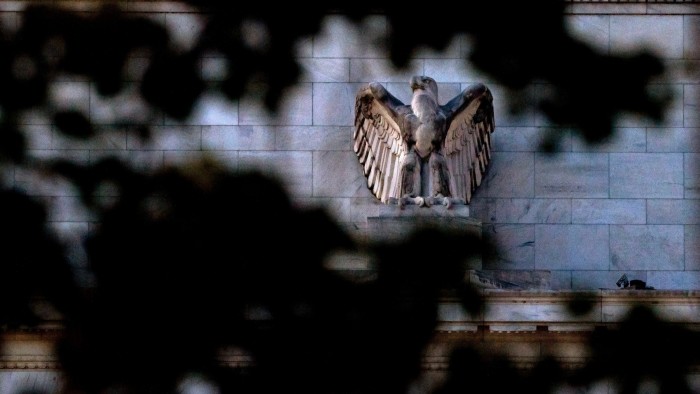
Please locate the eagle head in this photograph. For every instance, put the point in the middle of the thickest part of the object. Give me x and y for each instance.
(424, 83)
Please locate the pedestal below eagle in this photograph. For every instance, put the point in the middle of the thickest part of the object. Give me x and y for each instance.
(423, 153)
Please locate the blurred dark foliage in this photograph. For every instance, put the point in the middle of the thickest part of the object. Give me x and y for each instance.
(645, 348)
(184, 268)
(190, 261)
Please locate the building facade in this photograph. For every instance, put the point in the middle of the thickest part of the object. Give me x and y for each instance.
(574, 219)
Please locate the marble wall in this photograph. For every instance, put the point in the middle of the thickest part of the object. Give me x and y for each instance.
(586, 213)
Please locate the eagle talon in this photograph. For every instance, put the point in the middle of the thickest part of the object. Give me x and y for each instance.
(447, 202)
(402, 202)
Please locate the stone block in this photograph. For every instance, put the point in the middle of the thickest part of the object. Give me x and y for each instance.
(136, 66)
(534, 312)
(327, 138)
(67, 209)
(594, 30)
(510, 175)
(354, 210)
(34, 117)
(229, 159)
(662, 34)
(673, 308)
(157, 9)
(392, 217)
(530, 139)
(293, 169)
(402, 90)
(334, 104)
(646, 247)
(571, 175)
(691, 106)
(72, 235)
(683, 71)
(304, 47)
(38, 137)
(446, 92)
(325, 69)
(623, 139)
(339, 37)
(346, 261)
(296, 108)
(672, 8)
(673, 115)
(168, 138)
(126, 107)
(213, 109)
(516, 279)
(103, 140)
(184, 29)
(39, 184)
(673, 211)
(94, 156)
(395, 224)
(605, 8)
(483, 208)
(183, 158)
(7, 175)
(561, 280)
(676, 280)
(524, 210)
(382, 70)
(691, 32)
(238, 138)
(575, 247)
(673, 139)
(214, 68)
(608, 211)
(454, 70)
(692, 247)
(338, 174)
(31, 381)
(511, 246)
(512, 108)
(146, 161)
(646, 175)
(451, 51)
(691, 175)
(80, 156)
(71, 95)
(9, 20)
(452, 312)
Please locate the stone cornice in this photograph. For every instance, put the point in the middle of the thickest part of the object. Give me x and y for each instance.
(547, 311)
(29, 348)
(622, 7)
(634, 1)
(522, 324)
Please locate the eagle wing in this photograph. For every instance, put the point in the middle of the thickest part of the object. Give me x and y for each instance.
(379, 142)
(467, 145)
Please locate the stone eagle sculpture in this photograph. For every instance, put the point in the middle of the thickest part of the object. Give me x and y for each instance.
(423, 153)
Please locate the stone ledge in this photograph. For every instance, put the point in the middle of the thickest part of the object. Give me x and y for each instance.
(630, 8)
(523, 324)
(547, 310)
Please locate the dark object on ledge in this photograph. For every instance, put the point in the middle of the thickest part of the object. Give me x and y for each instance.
(635, 284)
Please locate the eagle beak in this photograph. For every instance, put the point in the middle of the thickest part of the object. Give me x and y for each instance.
(416, 83)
